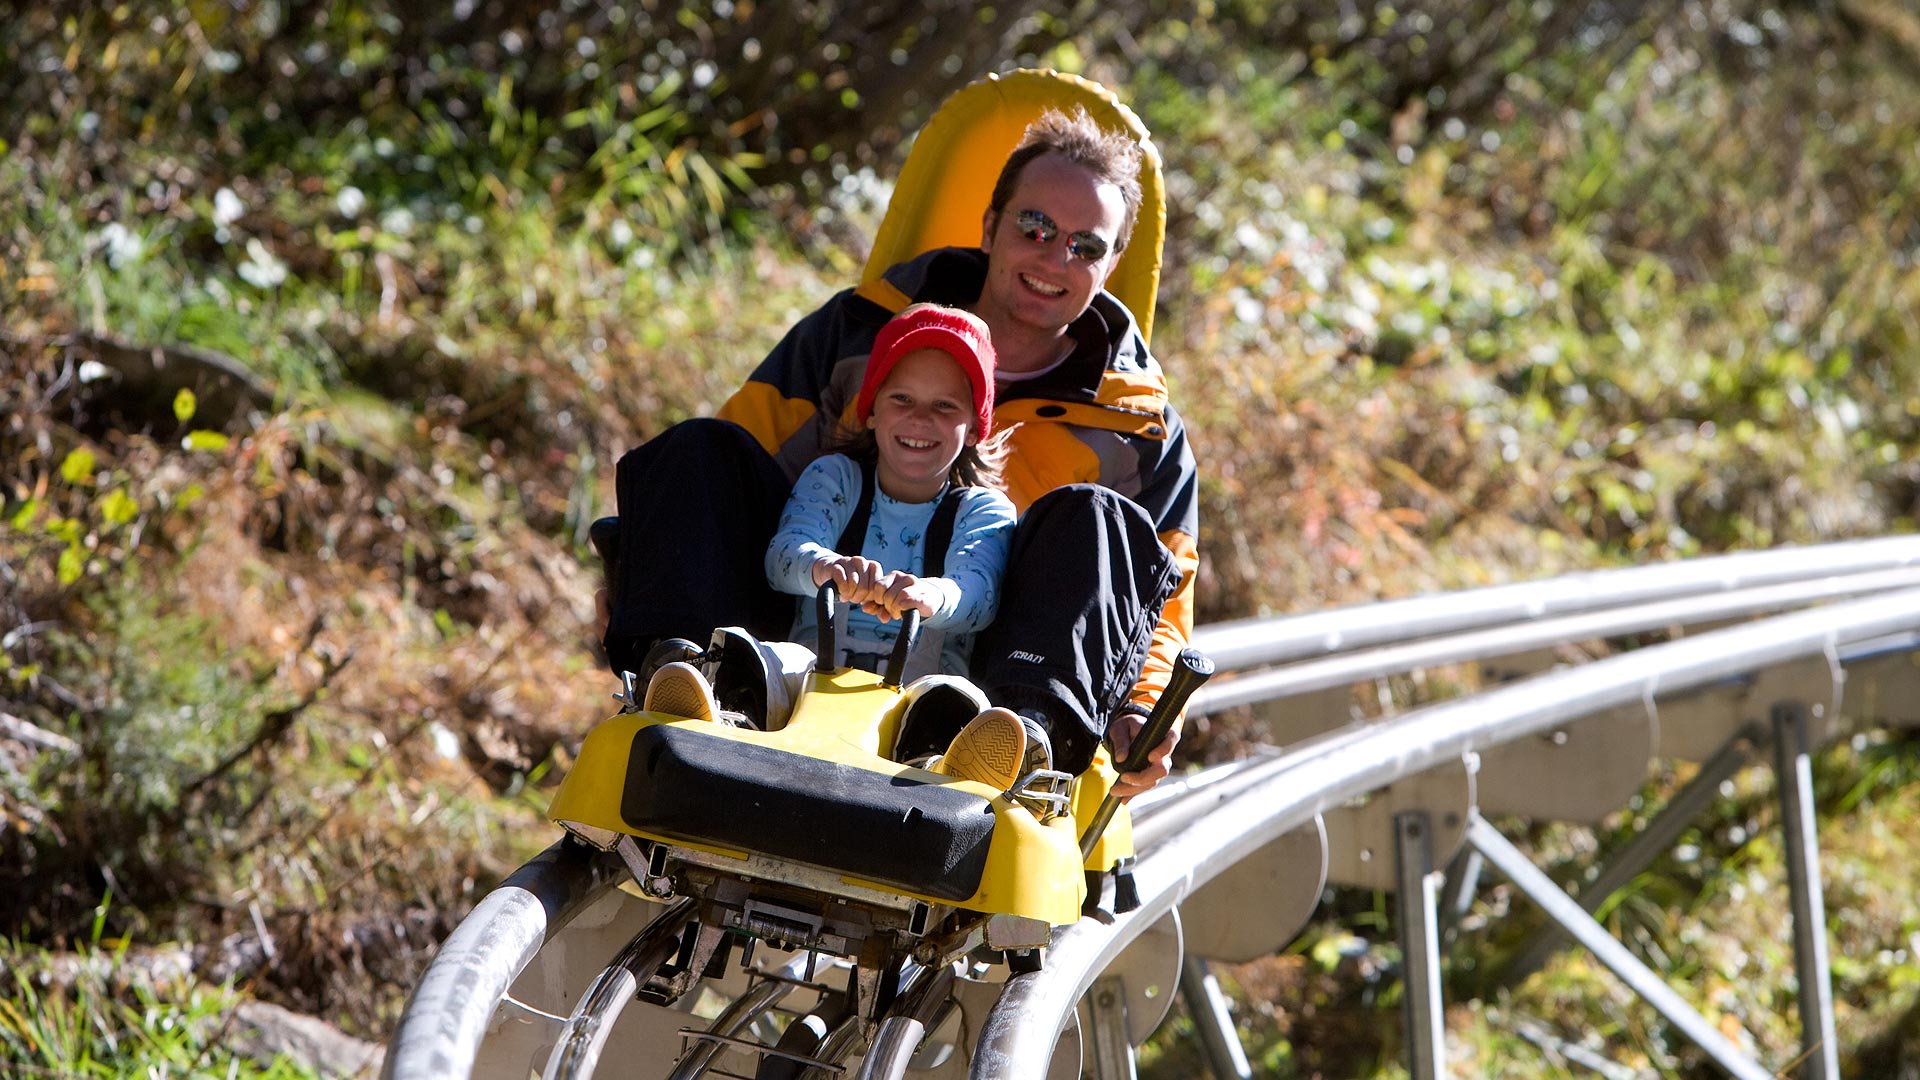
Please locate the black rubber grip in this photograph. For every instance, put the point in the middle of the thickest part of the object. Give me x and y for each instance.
(1190, 669)
(824, 608)
(897, 663)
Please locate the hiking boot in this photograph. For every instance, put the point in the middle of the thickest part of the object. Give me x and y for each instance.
(992, 750)
(678, 689)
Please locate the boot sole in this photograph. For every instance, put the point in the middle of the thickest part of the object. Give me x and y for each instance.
(989, 751)
(679, 697)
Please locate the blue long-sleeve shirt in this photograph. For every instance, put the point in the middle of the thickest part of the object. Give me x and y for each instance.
(818, 511)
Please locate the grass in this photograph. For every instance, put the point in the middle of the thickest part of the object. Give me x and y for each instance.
(89, 1014)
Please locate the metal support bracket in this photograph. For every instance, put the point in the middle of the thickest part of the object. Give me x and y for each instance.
(1418, 902)
(1361, 836)
(1260, 903)
(1793, 767)
(1580, 771)
(1642, 980)
(1146, 976)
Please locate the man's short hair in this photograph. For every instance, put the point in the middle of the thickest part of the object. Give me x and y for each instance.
(1111, 156)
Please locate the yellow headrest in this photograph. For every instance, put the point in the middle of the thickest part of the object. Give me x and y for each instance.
(943, 190)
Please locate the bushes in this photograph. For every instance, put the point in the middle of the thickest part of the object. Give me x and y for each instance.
(1639, 317)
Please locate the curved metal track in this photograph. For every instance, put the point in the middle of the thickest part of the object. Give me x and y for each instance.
(440, 1033)
(1193, 831)
(1248, 643)
(1267, 800)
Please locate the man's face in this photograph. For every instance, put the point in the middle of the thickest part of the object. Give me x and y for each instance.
(1043, 283)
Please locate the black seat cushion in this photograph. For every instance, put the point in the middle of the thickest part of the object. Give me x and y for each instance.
(926, 838)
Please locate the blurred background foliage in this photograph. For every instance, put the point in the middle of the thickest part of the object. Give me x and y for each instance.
(324, 322)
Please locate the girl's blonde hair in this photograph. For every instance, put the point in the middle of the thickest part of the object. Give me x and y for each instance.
(979, 465)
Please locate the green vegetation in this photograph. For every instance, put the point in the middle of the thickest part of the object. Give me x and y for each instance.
(92, 1014)
(1455, 293)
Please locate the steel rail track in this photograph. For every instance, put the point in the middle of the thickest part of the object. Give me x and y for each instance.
(1243, 644)
(1267, 800)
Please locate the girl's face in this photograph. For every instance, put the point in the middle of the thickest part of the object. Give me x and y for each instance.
(922, 418)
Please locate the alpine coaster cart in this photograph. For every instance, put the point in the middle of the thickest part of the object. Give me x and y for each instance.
(732, 901)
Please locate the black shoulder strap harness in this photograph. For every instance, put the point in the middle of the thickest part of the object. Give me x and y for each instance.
(939, 530)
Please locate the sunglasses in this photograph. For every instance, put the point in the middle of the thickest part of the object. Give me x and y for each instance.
(1041, 229)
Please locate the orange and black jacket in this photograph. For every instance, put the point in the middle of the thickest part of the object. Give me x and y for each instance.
(1101, 417)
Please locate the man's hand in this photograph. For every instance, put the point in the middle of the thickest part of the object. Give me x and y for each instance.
(1159, 761)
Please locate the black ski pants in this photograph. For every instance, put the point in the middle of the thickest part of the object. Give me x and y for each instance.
(1085, 581)
(698, 505)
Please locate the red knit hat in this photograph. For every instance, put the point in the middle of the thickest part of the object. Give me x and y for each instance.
(960, 334)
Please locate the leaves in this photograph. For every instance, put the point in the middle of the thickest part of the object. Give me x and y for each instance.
(24, 516)
(77, 467)
(118, 508)
(72, 564)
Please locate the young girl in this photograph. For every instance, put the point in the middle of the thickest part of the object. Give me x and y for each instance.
(904, 511)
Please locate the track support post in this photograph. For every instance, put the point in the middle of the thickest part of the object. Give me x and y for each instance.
(1112, 1049)
(1419, 914)
(1210, 1017)
(1794, 771)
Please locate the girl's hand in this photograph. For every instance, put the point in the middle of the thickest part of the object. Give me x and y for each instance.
(900, 592)
(855, 578)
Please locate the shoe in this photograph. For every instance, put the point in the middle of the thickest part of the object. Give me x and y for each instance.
(759, 679)
(678, 689)
(1039, 744)
(935, 708)
(751, 676)
(788, 665)
(664, 652)
(990, 750)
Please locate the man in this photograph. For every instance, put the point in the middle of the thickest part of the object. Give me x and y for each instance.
(1098, 596)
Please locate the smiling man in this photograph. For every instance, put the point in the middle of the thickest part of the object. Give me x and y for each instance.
(1098, 595)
